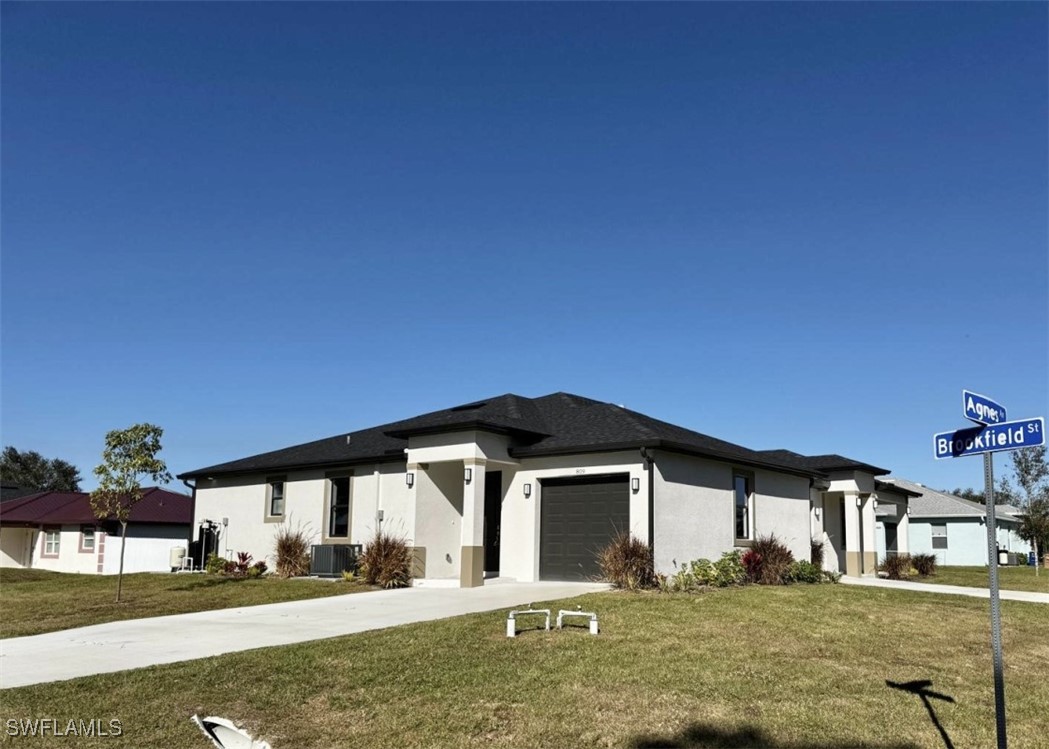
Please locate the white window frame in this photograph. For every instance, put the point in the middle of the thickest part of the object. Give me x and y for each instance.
(55, 544)
(88, 533)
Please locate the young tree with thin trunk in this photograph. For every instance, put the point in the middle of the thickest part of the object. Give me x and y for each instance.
(129, 457)
(1032, 471)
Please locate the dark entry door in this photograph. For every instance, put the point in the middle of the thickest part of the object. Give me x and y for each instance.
(493, 507)
(579, 517)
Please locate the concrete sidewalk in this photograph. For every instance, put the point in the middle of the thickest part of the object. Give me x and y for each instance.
(137, 643)
(955, 590)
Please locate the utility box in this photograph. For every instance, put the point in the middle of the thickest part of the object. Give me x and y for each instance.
(331, 560)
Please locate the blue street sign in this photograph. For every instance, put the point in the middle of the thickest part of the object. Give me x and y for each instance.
(981, 409)
(1009, 435)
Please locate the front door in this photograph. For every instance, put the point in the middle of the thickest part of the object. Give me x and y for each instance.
(493, 510)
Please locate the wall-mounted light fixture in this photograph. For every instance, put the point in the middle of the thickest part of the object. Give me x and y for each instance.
(528, 490)
(908, 511)
(859, 501)
(409, 479)
(816, 510)
(875, 504)
(468, 475)
(635, 485)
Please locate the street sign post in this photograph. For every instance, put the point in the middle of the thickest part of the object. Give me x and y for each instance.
(993, 435)
(981, 409)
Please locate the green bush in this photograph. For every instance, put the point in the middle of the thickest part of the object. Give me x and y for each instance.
(627, 563)
(701, 573)
(925, 564)
(896, 567)
(804, 572)
(386, 561)
(771, 560)
(216, 565)
(729, 569)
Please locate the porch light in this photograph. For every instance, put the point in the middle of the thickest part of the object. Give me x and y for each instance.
(468, 475)
(528, 490)
(859, 501)
(875, 504)
(635, 485)
(816, 511)
(409, 479)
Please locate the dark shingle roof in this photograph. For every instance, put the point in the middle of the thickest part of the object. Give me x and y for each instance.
(824, 463)
(556, 424)
(43, 508)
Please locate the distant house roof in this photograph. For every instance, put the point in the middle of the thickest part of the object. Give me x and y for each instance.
(14, 491)
(555, 424)
(53, 508)
(930, 503)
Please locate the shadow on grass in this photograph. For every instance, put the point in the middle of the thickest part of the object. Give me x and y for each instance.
(926, 695)
(704, 736)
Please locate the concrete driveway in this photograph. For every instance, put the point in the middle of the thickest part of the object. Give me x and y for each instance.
(137, 643)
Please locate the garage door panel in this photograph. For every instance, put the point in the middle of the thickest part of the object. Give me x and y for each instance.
(578, 517)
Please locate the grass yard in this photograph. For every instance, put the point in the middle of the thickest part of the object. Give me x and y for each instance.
(1009, 578)
(36, 601)
(799, 667)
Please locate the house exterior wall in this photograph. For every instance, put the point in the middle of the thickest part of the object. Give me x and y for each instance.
(966, 540)
(439, 518)
(243, 500)
(695, 509)
(70, 558)
(519, 529)
(15, 546)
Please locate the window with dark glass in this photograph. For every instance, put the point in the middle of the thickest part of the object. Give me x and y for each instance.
(276, 498)
(741, 486)
(339, 520)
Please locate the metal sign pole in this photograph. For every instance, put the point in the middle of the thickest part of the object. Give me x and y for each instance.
(996, 608)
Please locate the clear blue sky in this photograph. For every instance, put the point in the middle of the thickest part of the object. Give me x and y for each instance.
(801, 225)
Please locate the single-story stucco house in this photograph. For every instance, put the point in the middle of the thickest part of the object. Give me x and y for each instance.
(955, 529)
(530, 488)
(58, 531)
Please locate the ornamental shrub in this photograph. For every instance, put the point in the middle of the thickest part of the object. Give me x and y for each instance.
(386, 561)
(627, 563)
(896, 567)
(292, 552)
(804, 572)
(775, 560)
(924, 564)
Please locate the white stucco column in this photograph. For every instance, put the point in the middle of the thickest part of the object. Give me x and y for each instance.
(869, 529)
(903, 529)
(471, 561)
(853, 559)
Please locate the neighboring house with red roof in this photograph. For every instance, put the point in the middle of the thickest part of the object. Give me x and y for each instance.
(58, 531)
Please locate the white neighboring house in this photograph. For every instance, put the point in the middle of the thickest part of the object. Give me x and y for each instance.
(955, 529)
(57, 531)
(531, 488)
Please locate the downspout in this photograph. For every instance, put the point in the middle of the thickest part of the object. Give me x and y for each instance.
(650, 466)
(192, 515)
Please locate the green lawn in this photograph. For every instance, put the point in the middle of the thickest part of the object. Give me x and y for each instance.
(1009, 578)
(799, 667)
(36, 601)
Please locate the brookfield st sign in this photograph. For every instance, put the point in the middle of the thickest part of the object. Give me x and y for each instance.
(1008, 435)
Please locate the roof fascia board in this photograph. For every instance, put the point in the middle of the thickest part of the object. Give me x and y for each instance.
(205, 473)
